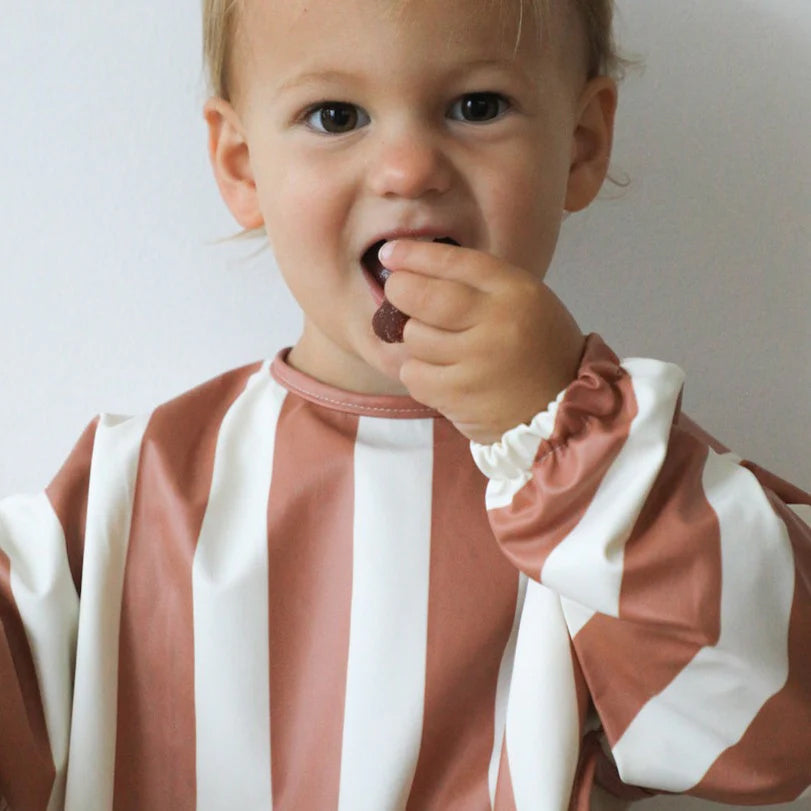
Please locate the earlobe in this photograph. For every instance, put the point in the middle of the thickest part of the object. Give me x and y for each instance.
(591, 142)
(230, 161)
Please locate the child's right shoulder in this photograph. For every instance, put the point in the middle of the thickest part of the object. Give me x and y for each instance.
(174, 435)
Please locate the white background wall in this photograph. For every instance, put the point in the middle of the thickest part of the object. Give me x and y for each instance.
(111, 300)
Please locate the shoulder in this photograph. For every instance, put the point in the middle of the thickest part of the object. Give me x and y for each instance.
(162, 452)
(215, 393)
(193, 413)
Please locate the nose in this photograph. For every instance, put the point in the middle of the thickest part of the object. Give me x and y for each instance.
(410, 163)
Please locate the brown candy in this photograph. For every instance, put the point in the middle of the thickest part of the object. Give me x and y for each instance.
(388, 323)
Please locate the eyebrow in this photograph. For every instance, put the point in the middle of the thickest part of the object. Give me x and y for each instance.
(339, 75)
(315, 76)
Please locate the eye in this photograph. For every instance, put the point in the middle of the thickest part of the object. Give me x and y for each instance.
(335, 117)
(477, 108)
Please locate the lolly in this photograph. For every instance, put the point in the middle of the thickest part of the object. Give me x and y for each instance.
(388, 322)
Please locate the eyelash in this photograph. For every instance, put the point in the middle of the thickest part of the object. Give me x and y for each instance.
(504, 105)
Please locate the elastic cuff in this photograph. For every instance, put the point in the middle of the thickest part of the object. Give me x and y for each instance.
(593, 394)
(515, 452)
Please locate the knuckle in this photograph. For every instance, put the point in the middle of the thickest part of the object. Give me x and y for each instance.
(455, 303)
(424, 298)
(441, 306)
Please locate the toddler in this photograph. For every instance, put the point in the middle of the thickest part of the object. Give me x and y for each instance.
(447, 551)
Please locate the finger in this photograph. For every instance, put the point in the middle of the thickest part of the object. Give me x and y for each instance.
(440, 303)
(430, 345)
(438, 260)
(429, 383)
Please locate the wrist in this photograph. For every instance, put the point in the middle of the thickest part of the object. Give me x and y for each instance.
(591, 385)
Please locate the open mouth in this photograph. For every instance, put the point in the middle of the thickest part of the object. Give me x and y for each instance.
(374, 267)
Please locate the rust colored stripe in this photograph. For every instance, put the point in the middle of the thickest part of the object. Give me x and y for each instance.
(581, 690)
(155, 744)
(584, 776)
(310, 516)
(471, 607)
(26, 766)
(788, 493)
(770, 764)
(505, 799)
(670, 598)
(68, 496)
(568, 471)
(692, 427)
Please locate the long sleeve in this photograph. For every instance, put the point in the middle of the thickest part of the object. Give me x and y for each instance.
(684, 574)
(41, 539)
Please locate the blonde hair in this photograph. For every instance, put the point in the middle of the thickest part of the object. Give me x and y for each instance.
(221, 21)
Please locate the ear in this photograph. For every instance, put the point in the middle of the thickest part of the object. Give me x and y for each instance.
(230, 160)
(591, 142)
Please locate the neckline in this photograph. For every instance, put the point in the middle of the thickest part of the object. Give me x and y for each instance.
(390, 406)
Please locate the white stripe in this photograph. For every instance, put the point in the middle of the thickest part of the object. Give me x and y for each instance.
(505, 674)
(113, 471)
(32, 538)
(230, 600)
(587, 564)
(501, 492)
(385, 682)
(678, 734)
(543, 724)
(577, 615)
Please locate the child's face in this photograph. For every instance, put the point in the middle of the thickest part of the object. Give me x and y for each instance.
(435, 125)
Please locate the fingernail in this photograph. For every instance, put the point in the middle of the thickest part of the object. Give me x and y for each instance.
(385, 251)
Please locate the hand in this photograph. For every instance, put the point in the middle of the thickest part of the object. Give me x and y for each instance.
(487, 345)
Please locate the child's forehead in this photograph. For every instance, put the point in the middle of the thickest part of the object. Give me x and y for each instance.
(303, 30)
(456, 17)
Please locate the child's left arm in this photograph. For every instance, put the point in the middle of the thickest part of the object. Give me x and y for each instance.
(684, 576)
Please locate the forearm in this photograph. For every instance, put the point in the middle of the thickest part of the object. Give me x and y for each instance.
(682, 578)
